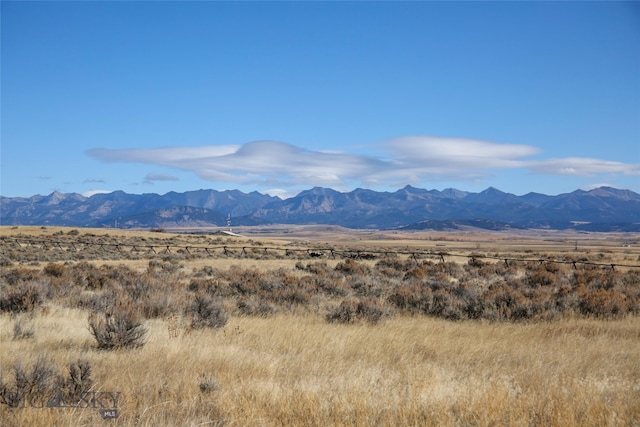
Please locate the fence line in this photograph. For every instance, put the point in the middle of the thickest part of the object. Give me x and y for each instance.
(310, 252)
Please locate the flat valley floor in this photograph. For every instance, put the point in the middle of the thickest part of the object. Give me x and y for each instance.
(317, 326)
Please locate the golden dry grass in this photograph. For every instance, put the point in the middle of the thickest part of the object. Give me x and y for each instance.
(299, 370)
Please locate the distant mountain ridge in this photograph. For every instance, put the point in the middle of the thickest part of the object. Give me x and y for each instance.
(601, 209)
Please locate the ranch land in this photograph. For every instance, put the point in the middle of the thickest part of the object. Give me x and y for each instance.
(318, 326)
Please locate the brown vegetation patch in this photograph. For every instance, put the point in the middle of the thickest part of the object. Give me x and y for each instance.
(302, 340)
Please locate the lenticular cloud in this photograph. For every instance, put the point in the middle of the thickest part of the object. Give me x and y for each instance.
(265, 162)
(409, 159)
(455, 153)
(581, 166)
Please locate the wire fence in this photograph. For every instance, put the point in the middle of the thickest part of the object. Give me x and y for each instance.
(304, 252)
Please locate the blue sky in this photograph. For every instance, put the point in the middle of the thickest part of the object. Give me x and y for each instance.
(151, 97)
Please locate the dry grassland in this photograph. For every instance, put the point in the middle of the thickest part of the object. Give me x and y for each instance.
(293, 367)
(299, 370)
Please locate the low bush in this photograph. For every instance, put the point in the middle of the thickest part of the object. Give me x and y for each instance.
(22, 329)
(346, 312)
(446, 305)
(351, 267)
(504, 302)
(44, 384)
(22, 297)
(78, 382)
(35, 383)
(370, 310)
(350, 311)
(207, 312)
(603, 303)
(54, 270)
(120, 326)
(208, 384)
(412, 298)
(256, 307)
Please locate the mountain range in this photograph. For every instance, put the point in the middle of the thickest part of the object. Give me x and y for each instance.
(409, 208)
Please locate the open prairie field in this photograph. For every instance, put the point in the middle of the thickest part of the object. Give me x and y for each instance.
(317, 326)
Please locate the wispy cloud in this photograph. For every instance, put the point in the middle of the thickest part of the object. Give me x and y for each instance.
(457, 153)
(162, 155)
(263, 162)
(580, 166)
(405, 160)
(151, 177)
(93, 181)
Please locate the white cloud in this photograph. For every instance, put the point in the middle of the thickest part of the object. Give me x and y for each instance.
(161, 155)
(405, 160)
(92, 192)
(279, 192)
(160, 177)
(455, 153)
(261, 162)
(594, 186)
(419, 158)
(580, 166)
